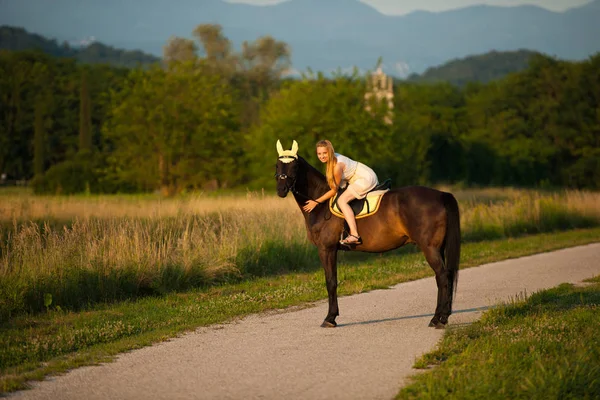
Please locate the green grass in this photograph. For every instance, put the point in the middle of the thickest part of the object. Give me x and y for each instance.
(77, 251)
(544, 347)
(32, 346)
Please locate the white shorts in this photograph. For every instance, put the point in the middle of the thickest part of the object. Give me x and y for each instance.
(363, 181)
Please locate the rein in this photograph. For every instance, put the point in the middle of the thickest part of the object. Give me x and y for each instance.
(293, 190)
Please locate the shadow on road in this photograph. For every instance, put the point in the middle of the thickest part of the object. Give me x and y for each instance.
(377, 321)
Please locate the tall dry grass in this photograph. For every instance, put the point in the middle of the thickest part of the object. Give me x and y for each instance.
(527, 212)
(73, 252)
(23, 205)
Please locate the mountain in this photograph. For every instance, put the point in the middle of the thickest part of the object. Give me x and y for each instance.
(323, 34)
(477, 68)
(13, 38)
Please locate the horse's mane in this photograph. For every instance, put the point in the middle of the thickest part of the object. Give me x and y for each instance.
(314, 176)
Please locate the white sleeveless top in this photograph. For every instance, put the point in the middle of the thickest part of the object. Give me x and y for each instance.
(360, 178)
(349, 166)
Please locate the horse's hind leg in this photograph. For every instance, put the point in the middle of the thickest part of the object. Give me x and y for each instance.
(435, 259)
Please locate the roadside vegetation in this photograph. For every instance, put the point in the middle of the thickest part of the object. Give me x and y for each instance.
(84, 278)
(542, 347)
(33, 346)
(74, 252)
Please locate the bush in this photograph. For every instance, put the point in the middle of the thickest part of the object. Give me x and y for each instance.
(76, 175)
(84, 173)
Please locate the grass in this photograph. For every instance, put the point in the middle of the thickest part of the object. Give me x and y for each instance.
(75, 252)
(543, 347)
(101, 259)
(33, 346)
(83, 278)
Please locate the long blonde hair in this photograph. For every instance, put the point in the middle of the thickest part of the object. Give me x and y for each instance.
(331, 162)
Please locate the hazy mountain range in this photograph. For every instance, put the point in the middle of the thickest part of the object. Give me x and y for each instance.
(323, 34)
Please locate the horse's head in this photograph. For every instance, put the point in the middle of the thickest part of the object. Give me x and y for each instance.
(286, 169)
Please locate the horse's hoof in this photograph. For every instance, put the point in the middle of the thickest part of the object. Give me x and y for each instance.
(327, 324)
(437, 324)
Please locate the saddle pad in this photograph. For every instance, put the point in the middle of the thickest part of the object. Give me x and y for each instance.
(371, 204)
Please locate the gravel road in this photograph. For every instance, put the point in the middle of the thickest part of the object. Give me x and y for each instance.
(286, 355)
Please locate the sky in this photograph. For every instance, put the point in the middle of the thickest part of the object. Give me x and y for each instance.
(401, 7)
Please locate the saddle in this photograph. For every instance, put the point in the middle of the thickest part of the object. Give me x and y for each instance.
(362, 207)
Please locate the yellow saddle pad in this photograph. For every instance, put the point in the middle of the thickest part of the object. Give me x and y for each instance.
(370, 205)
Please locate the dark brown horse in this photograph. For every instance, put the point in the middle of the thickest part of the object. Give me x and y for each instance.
(424, 216)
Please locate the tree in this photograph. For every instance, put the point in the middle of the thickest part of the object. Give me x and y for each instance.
(85, 116)
(175, 130)
(15, 78)
(255, 72)
(582, 117)
(217, 49)
(39, 138)
(267, 56)
(179, 50)
(429, 121)
(532, 121)
(23, 76)
(313, 109)
(263, 63)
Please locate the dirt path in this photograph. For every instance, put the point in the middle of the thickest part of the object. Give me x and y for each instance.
(287, 356)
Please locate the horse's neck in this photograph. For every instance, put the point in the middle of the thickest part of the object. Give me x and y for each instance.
(311, 184)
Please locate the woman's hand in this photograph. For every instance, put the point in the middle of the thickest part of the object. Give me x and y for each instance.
(310, 205)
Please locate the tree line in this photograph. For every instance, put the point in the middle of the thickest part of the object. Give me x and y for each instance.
(209, 116)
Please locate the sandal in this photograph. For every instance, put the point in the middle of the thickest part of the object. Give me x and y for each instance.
(345, 241)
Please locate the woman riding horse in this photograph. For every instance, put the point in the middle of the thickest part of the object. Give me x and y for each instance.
(424, 216)
(356, 178)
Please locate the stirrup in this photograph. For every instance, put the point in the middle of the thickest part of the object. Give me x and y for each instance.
(345, 243)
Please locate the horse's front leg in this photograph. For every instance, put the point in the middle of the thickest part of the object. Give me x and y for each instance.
(328, 256)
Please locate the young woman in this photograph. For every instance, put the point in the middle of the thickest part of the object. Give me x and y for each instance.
(342, 171)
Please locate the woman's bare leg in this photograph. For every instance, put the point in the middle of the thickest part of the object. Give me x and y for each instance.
(342, 202)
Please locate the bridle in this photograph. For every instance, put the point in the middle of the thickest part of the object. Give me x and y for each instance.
(292, 187)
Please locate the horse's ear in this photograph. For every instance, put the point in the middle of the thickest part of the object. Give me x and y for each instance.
(295, 148)
(279, 148)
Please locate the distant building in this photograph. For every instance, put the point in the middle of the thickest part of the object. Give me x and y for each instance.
(380, 88)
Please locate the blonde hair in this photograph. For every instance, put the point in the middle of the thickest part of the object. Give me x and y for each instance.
(331, 162)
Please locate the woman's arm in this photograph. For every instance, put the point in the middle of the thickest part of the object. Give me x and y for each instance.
(337, 174)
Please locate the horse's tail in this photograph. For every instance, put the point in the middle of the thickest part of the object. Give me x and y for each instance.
(452, 244)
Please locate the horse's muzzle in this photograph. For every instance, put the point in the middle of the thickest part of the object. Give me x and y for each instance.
(282, 191)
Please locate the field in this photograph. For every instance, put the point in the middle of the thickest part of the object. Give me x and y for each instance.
(74, 252)
(70, 267)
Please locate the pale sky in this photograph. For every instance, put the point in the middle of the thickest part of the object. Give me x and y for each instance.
(400, 7)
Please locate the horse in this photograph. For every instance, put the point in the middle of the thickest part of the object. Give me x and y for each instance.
(420, 215)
